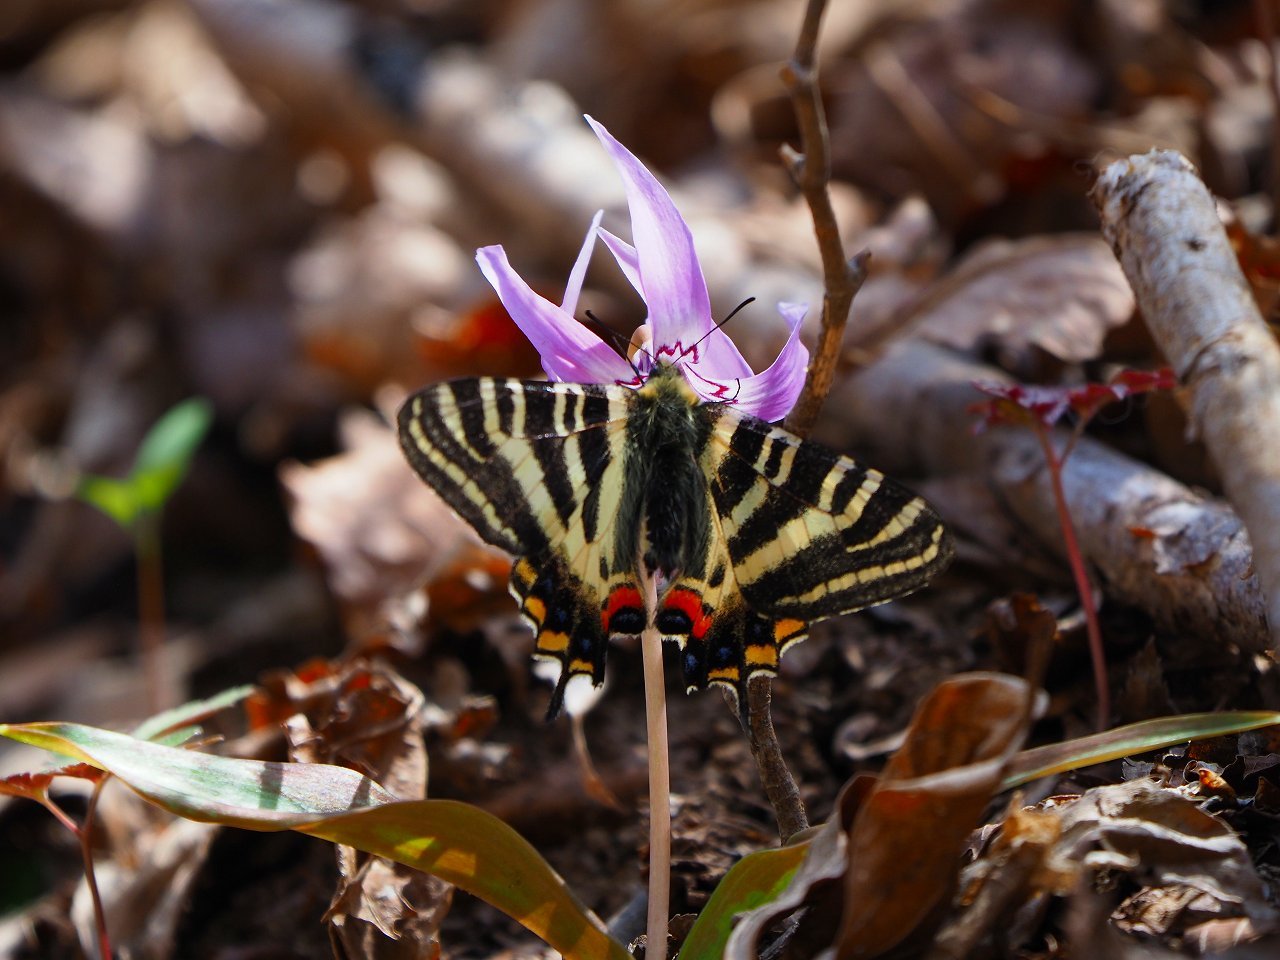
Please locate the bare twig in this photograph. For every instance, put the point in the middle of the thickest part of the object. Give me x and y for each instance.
(812, 171)
(1163, 225)
(841, 280)
(779, 785)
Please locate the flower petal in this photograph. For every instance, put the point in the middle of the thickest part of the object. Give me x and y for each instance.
(573, 289)
(770, 395)
(625, 254)
(663, 267)
(569, 351)
(672, 282)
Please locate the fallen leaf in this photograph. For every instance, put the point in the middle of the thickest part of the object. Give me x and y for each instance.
(1061, 294)
(383, 533)
(893, 853)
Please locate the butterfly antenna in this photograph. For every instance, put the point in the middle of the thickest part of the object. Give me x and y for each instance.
(732, 313)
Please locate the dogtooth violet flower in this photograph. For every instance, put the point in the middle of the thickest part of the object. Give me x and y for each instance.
(664, 269)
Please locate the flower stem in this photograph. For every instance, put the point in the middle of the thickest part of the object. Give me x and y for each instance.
(1097, 652)
(151, 609)
(655, 698)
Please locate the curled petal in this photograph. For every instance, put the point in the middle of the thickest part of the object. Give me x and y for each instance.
(670, 278)
(771, 394)
(569, 351)
(573, 288)
(625, 254)
(663, 268)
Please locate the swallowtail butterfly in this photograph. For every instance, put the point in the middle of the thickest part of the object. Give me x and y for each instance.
(752, 531)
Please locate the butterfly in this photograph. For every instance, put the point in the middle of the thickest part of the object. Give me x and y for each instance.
(751, 532)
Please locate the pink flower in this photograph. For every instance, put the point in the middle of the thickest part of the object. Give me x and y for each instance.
(663, 267)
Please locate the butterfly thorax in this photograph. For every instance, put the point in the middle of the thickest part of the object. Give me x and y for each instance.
(664, 513)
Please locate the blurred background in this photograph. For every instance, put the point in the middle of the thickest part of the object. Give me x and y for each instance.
(274, 205)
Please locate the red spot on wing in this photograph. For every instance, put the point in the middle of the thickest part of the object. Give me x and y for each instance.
(689, 602)
(620, 598)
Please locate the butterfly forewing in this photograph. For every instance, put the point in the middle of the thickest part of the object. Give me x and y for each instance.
(537, 469)
(812, 534)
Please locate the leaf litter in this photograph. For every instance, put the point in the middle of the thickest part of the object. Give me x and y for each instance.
(182, 220)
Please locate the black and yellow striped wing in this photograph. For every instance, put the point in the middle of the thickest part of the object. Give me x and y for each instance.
(537, 469)
(801, 534)
(811, 533)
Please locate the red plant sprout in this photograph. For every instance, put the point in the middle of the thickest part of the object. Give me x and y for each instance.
(1040, 408)
(35, 786)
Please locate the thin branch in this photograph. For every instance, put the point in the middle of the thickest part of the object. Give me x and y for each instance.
(811, 171)
(779, 784)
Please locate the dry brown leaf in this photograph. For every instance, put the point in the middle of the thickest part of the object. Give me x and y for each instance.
(386, 911)
(995, 885)
(368, 717)
(1190, 865)
(380, 530)
(819, 874)
(904, 846)
(1060, 294)
(900, 855)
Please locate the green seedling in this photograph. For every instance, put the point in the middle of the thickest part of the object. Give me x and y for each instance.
(136, 503)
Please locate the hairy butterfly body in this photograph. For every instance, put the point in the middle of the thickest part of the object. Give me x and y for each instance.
(753, 532)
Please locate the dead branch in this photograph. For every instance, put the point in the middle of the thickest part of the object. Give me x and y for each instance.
(811, 170)
(1163, 225)
(1154, 543)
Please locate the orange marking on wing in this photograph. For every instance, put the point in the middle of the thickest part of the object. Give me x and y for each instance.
(785, 629)
(553, 642)
(535, 608)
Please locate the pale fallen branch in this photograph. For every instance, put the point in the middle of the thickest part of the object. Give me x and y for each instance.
(1153, 542)
(1163, 225)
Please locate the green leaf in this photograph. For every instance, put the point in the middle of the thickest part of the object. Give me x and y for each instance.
(159, 467)
(1125, 741)
(190, 714)
(167, 450)
(115, 498)
(756, 879)
(454, 841)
